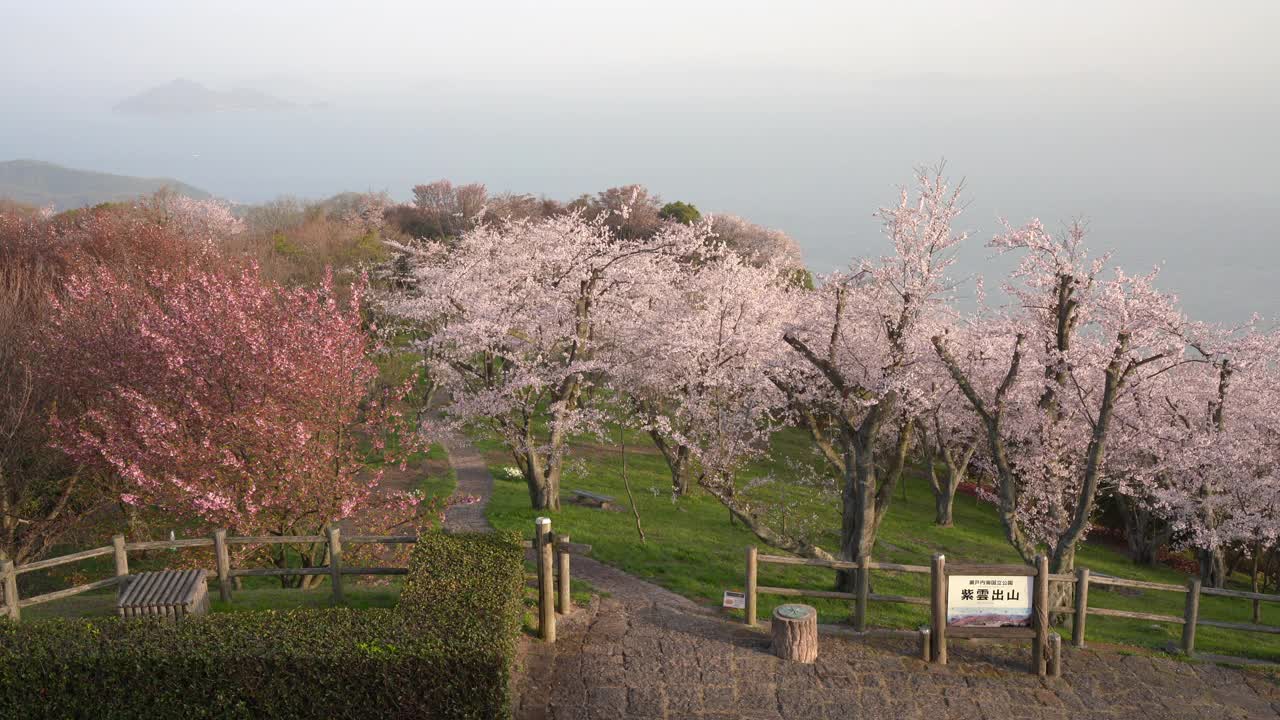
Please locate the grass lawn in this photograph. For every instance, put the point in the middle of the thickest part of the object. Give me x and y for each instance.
(694, 549)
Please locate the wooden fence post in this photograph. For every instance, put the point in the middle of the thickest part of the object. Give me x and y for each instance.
(1082, 607)
(563, 580)
(335, 562)
(938, 608)
(546, 581)
(122, 563)
(1055, 655)
(751, 586)
(1191, 617)
(864, 588)
(222, 558)
(10, 590)
(1041, 607)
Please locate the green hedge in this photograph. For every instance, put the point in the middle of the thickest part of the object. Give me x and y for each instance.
(445, 653)
(468, 585)
(467, 591)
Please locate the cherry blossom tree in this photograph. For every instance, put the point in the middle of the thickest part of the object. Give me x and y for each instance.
(863, 335)
(221, 399)
(43, 495)
(756, 244)
(204, 223)
(1219, 480)
(1052, 373)
(520, 315)
(696, 364)
(948, 433)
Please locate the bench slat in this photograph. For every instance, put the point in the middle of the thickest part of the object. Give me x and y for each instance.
(593, 496)
(164, 592)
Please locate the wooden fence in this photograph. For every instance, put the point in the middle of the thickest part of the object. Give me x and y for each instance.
(552, 561)
(860, 598)
(221, 544)
(1190, 619)
(1082, 579)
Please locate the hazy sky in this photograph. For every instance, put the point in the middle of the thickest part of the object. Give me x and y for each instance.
(132, 41)
(1155, 120)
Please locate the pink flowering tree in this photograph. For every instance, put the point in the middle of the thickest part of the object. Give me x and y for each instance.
(520, 315)
(696, 363)
(223, 401)
(203, 223)
(1049, 377)
(43, 495)
(949, 435)
(1216, 454)
(862, 336)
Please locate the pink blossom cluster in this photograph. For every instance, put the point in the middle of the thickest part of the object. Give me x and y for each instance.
(218, 397)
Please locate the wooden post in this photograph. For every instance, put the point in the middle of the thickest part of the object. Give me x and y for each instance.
(122, 563)
(563, 601)
(795, 632)
(1055, 655)
(1082, 607)
(1191, 617)
(10, 590)
(1041, 608)
(223, 560)
(751, 586)
(938, 607)
(546, 580)
(864, 588)
(335, 562)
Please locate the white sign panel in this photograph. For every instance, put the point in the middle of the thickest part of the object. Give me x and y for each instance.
(989, 601)
(735, 600)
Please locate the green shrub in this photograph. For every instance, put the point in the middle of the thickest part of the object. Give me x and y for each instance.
(681, 212)
(445, 653)
(467, 588)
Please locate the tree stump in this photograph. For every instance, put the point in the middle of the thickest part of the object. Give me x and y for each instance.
(795, 633)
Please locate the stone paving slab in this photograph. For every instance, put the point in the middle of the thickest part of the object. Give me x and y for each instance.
(633, 659)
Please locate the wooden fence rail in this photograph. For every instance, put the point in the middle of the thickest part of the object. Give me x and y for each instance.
(860, 597)
(552, 560)
(1081, 579)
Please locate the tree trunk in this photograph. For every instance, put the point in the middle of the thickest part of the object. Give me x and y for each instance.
(543, 478)
(857, 527)
(1061, 594)
(1213, 568)
(943, 504)
(678, 462)
(1253, 580)
(1144, 532)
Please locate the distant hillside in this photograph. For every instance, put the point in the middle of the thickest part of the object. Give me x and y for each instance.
(184, 96)
(41, 183)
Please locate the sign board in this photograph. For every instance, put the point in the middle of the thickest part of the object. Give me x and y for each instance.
(989, 601)
(735, 600)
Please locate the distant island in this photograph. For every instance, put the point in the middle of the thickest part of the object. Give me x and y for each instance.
(42, 184)
(187, 97)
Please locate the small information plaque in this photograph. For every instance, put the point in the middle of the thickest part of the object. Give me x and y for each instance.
(995, 601)
(734, 600)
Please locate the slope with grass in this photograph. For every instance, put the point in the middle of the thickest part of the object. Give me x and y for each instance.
(694, 549)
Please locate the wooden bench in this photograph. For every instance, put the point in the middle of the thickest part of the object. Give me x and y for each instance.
(168, 593)
(589, 498)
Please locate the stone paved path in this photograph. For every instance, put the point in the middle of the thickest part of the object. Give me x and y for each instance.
(475, 480)
(622, 659)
